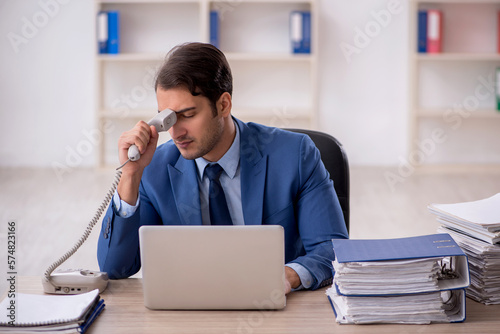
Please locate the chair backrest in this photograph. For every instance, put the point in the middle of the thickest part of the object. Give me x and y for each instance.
(335, 160)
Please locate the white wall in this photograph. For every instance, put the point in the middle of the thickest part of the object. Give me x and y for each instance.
(363, 83)
(47, 79)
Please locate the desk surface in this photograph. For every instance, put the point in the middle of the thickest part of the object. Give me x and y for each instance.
(306, 312)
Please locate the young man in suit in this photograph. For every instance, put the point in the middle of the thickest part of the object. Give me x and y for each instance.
(267, 175)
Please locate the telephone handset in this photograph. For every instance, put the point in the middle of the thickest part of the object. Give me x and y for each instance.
(75, 281)
(162, 122)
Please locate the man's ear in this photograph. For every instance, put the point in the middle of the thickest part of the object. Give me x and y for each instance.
(224, 104)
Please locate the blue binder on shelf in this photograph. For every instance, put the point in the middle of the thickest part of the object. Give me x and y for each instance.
(427, 246)
(214, 28)
(113, 32)
(422, 31)
(102, 32)
(300, 31)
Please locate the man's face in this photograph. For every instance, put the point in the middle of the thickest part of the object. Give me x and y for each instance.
(197, 132)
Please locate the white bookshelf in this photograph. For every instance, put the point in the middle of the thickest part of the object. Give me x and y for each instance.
(271, 85)
(443, 87)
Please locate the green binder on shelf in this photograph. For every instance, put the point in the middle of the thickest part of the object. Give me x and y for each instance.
(497, 88)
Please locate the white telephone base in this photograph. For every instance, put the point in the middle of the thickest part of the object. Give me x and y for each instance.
(75, 281)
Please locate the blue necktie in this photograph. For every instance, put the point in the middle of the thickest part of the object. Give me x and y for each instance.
(219, 213)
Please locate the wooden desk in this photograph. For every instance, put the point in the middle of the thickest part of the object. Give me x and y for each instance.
(306, 312)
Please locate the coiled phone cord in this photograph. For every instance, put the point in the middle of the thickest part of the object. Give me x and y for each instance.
(90, 226)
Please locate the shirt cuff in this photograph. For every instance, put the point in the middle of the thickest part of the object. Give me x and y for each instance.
(306, 279)
(122, 208)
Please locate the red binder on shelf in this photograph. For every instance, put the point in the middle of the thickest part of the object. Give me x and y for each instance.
(434, 30)
(498, 32)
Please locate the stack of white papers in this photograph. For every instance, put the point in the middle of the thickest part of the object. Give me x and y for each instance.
(478, 219)
(28, 313)
(387, 277)
(475, 226)
(423, 308)
(416, 280)
(484, 265)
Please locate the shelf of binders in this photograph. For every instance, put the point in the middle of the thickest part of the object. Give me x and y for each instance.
(273, 112)
(454, 53)
(273, 85)
(135, 114)
(231, 56)
(139, 57)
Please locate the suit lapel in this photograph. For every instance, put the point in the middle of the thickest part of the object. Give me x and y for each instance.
(184, 183)
(253, 176)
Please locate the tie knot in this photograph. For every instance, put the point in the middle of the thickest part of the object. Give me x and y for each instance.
(213, 171)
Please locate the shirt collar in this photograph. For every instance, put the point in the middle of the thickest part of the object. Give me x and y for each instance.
(229, 161)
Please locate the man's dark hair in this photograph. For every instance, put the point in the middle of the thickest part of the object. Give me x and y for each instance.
(201, 68)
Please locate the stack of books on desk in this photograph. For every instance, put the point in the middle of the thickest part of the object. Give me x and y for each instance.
(475, 226)
(416, 280)
(27, 313)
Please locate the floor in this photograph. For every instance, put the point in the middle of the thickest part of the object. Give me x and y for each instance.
(51, 211)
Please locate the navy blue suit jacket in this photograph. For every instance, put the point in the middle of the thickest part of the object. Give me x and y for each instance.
(283, 182)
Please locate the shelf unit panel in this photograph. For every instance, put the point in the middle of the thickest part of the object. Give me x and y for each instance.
(446, 84)
(130, 89)
(449, 113)
(246, 56)
(457, 57)
(131, 57)
(124, 113)
(281, 117)
(271, 85)
(276, 119)
(235, 56)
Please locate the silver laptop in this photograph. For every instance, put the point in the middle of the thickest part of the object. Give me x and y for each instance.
(213, 267)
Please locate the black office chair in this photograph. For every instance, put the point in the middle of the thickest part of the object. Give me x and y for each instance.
(335, 160)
